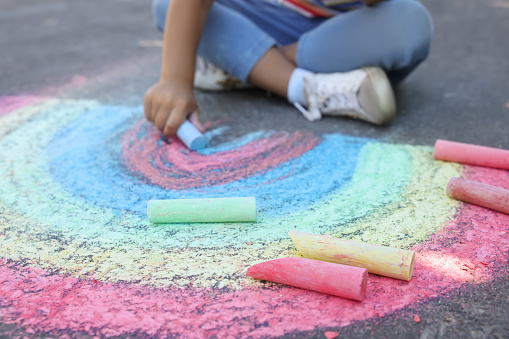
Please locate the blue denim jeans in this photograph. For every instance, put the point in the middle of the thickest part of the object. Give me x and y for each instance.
(394, 35)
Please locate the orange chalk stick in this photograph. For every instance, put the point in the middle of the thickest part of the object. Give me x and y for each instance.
(339, 280)
(471, 154)
(495, 198)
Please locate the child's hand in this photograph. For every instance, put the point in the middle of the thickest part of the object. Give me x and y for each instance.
(169, 103)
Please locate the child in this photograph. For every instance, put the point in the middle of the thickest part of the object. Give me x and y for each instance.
(339, 65)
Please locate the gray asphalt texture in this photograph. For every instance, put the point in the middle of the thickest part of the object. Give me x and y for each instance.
(460, 93)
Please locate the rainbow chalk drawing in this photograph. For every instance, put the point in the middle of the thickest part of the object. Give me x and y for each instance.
(471, 154)
(495, 198)
(387, 261)
(202, 210)
(320, 276)
(78, 254)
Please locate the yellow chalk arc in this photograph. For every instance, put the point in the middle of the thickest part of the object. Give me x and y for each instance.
(382, 260)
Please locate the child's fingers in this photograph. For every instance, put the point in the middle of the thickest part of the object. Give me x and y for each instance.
(161, 116)
(194, 118)
(175, 120)
(151, 105)
(147, 106)
(155, 106)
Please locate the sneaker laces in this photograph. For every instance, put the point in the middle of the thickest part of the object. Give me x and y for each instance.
(333, 94)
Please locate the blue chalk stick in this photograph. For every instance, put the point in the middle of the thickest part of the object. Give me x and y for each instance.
(191, 137)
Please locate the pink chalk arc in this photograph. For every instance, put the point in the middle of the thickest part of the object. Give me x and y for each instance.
(9, 104)
(171, 168)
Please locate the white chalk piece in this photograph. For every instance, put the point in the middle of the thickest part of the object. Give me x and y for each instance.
(191, 137)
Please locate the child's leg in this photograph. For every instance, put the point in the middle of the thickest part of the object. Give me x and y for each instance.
(272, 72)
(230, 40)
(240, 37)
(394, 35)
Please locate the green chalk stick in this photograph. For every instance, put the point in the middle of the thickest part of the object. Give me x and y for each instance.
(202, 210)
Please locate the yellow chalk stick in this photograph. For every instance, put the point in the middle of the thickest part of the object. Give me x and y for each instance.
(382, 260)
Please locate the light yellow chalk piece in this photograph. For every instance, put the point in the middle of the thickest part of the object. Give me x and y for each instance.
(382, 260)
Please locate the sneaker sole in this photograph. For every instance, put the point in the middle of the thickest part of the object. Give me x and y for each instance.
(376, 97)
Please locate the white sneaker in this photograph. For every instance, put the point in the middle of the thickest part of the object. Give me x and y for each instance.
(364, 94)
(208, 77)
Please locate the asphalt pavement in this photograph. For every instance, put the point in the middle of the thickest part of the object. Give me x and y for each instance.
(460, 93)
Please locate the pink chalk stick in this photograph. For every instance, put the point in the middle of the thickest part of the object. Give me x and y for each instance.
(336, 279)
(495, 198)
(471, 154)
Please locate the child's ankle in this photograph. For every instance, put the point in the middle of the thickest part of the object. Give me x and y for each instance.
(295, 92)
